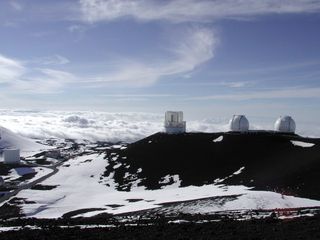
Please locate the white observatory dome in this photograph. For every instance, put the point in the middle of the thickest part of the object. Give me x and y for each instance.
(239, 123)
(285, 124)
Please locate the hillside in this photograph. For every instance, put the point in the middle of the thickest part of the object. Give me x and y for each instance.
(10, 139)
(287, 164)
(191, 173)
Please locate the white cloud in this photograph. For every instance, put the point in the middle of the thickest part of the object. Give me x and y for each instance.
(10, 69)
(196, 46)
(288, 93)
(55, 59)
(238, 84)
(76, 28)
(20, 76)
(44, 81)
(190, 10)
(95, 126)
(140, 95)
(275, 70)
(15, 5)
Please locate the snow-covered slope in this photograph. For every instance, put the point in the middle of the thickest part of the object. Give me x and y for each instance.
(187, 173)
(80, 184)
(13, 140)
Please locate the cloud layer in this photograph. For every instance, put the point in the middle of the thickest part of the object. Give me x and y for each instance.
(190, 10)
(103, 126)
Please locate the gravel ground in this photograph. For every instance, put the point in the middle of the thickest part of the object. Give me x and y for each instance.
(299, 228)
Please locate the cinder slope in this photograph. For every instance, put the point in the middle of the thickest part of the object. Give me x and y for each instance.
(269, 161)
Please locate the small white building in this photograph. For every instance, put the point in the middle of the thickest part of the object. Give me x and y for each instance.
(285, 124)
(174, 122)
(239, 123)
(11, 156)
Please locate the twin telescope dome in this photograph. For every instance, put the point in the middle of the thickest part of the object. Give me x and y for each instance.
(239, 123)
(285, 124)
(174, 123)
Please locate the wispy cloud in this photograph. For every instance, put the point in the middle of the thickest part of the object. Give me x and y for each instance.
(15, 5)
(76, 28)
(268, 69)
(10, 69)
(195, 47)
(190, 10)
(288, 93)
(55, 59)
(237, 84)
(42, 34)
(43, 81)
(19, 12)
(140, 95)
(19, 76)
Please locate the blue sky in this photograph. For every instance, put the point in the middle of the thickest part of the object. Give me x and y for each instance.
(208, 58)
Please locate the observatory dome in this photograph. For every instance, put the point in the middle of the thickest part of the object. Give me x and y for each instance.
(239, 123)
(285, 124)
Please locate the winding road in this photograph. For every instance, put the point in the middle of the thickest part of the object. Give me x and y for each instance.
(29, 185)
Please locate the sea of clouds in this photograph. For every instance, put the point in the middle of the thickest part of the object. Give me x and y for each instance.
(114, 127)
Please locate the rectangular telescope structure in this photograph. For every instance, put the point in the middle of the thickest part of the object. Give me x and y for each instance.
(174, 122)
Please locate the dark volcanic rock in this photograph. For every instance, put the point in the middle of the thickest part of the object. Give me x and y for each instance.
(43, 187)
(301, 228)
(270, 161)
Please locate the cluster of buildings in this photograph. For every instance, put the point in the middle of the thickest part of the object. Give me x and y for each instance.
(238, 123)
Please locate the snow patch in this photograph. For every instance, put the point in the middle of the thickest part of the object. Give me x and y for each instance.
(239, 171)
(173, 180)
(218, 139)
(19, 172)
(179, 221)
(220, 180)
(302, 144)
(117, 166)
(246, 201)
(80, 186)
